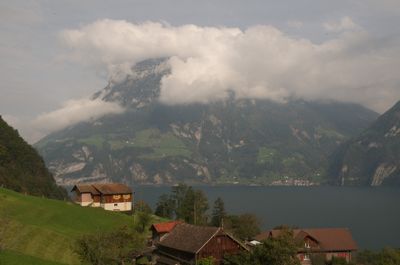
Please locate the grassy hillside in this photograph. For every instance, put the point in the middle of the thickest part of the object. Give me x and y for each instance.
(10, 257)
(46, 229)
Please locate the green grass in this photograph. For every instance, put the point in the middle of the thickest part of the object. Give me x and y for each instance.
(163, 145)
(329, 133)
(9, 257)
(95, 140)
(266, 155)
(46, 229)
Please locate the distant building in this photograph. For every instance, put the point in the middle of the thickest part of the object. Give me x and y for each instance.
(329, 242)
(109, 196)
(186, 244)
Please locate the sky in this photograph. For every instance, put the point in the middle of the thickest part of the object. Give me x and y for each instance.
(55, 54)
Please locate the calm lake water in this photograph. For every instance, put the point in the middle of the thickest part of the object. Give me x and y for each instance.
(372, 214)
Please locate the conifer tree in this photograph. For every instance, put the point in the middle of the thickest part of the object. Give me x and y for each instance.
(218, 213)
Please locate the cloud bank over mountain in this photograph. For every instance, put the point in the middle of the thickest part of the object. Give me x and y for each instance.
(74, 111)
(209, 63)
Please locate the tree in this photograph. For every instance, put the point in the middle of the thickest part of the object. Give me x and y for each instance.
(184, 203)
(206, 261)
(180, 196)
(165, 207)
(109, 248)
(281, 250)
(143, 219)
(218, 213)
(143, 215)
(273, 251)
(242, 258)
(198, 205)
(244, 226)
(142, 206)
(387, 256)
(338, 261)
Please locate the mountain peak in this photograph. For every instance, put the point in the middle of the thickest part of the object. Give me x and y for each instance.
(137, 87)
(372, 157)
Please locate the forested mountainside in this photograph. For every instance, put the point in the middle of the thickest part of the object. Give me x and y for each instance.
(21, 167)
(233, 141)
(373, 157)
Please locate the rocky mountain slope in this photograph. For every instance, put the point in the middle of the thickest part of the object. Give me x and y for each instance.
(372, 158)
(234, 141)
(21, 167)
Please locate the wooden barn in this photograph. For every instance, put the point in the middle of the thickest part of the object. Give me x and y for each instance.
(109, 196)
(329, 242)
(187, 244)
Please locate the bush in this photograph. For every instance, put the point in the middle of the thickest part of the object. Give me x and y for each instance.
(109, 248)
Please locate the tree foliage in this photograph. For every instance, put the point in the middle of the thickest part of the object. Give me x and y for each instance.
(244, 226)
(281, 250)
(206, 261)
(387, 256)
(109, 248)
(165, 206)
(21, 167)
(218, 213)
(184, 203)
(142, 206)
(143, 215)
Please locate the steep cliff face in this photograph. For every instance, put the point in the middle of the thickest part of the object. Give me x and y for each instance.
(232, 141)
(373, 157)
(21, 167)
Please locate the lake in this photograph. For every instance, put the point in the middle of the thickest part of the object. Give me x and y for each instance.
(372, 214)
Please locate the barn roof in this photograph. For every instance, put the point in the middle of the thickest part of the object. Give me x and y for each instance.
(165, 227)
(189, 238)
(329, 239)
(103, 188)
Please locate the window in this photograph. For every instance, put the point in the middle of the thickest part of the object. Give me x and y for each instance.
(115, 204)
(306, 257)
(307, 244)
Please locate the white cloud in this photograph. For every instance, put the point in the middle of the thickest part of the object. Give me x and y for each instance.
(72, 112)
(344, 24)
(259, 62)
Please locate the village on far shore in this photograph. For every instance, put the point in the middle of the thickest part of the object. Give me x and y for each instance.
(178, 243)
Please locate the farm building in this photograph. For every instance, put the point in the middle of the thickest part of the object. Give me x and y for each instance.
(328, 242)
(109, 196)
(187, 244)
(160, 230)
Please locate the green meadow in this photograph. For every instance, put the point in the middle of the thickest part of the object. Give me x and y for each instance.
(43, 231)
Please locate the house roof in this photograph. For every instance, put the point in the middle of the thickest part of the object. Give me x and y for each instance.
(189, 238)
(165, 227)
(103, 188)
(112, 188)
(329, 239)
(86, 189)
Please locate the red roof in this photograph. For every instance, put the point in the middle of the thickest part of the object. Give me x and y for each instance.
(165, 227)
